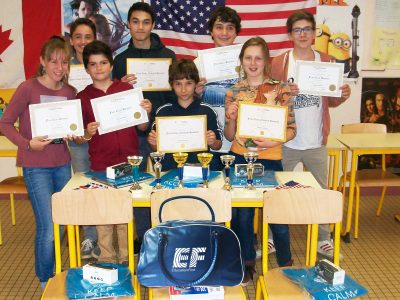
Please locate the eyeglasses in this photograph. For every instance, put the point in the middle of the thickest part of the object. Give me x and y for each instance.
(306, 30)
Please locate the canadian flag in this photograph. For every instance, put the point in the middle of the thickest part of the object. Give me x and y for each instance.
(24, 26)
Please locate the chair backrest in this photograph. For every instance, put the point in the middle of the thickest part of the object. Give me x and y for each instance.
(187, 208)
(302, 206)
(92, 207)
(364, 128)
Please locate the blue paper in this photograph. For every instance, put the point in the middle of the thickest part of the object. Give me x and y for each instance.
(267, 180)
(79, 288)
(317, 287)
(119, 182)
(170, 179)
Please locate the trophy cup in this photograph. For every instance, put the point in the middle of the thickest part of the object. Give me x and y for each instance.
(180, 158)
(157, 157)
(227, 160)
(205, 159)
(135, 161)
(251, 158)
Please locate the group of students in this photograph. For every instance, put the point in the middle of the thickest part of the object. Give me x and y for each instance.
(47, 168)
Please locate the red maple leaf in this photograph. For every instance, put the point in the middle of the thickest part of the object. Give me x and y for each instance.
(5, 41)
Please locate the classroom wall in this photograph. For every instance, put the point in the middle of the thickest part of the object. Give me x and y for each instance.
(348, 112)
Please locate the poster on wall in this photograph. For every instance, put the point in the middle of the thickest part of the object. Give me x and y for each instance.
(338, 32)
(380, 103)
(109, 16)
(385, 45)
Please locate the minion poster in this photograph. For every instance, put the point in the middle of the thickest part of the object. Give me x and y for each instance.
(338, 32)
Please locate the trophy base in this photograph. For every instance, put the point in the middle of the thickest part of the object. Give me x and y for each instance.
(158, 187)
(135, 187)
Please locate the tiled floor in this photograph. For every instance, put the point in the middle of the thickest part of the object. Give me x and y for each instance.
(373, 259)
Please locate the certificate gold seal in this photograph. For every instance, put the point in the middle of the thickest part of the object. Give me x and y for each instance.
(237, 69)
(332, 87)
(73, 127)
(262, 132)
(182, 146)
(137, 115)
(149, 85)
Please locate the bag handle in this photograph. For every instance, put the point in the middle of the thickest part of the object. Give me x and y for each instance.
(162, 244)
(184, 197)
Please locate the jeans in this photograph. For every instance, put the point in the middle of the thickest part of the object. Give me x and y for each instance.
(243, 219)
(41, 183)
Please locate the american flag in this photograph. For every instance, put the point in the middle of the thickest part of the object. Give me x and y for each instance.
(182, 24)
(291, 185)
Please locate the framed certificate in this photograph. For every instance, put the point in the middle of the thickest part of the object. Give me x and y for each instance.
(151, 73)
(119, 111)
(219, 63)
(319, 78)
(78, 77)
(262, 121)
(181, 134)
(56, 119)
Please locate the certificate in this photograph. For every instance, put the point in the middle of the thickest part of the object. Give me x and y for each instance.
(56, 119)
(319, 78)
(119, 111)
(181, 134)
(151, 73)
(78, 77)
(219, 63)
(262, 121)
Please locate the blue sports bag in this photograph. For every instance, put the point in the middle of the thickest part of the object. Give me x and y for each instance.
(189, 253)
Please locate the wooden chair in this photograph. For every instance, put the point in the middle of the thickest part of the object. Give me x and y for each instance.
(368, 177)
(88, 207)
(297, 206)
(190, 209)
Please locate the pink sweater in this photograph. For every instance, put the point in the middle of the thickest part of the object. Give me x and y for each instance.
(29, 92)
(279, 72)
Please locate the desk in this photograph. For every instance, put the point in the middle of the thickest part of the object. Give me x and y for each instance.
(360, 144)
(240, 196)
(7, 149)
(334, 148)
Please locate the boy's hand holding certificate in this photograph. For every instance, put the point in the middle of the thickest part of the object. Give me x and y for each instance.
(56, 119)
(319, 78)
(119, 110)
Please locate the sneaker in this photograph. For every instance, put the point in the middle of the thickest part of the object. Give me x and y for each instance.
(325, 248)
(96, 251)
(86, 248)
(271, 246)
(248, 275)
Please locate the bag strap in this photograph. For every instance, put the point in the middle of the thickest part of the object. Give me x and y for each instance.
(162, 244)
(185, 197)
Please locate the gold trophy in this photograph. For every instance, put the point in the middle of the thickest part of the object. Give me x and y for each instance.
(180, 158)
(227, 160)
(205, 159)
(251, 158)
(135, 161)
(157, 157)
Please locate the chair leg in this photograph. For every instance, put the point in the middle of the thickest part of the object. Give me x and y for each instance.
(12, 207)
(258, 289)
(356, 211)
(379, 208)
